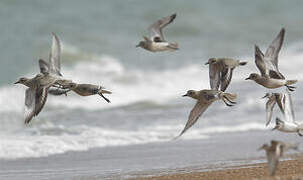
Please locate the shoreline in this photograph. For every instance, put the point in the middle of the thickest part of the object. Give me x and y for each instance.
(287, 169)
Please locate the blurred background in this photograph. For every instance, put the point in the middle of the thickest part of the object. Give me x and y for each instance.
(98, 46)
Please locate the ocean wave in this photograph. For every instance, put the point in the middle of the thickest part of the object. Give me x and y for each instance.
(82, 138)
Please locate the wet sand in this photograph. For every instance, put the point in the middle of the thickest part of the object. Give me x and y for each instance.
(289, 169)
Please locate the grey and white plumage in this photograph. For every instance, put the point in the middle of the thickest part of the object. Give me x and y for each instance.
(274, 152)
(221, 70)
(54, 62)
(289, 125)
(272, 83)
(85, 90)
(268, 66)
(204, 99)
(273, 99)
(268, 63)
(156, 42)
(36, 94)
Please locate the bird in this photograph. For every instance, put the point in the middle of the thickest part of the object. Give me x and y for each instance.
(274, 151)
(268, 66)
(85, 90)
(273, 99)
(220, 71)
(156, 42)
(53, 66)
(38, 86)
(35, 94)
(290, 125)
(204, 99)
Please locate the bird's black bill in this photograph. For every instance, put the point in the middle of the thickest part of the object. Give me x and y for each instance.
(207, 63)
(247, 78)
(184, 95)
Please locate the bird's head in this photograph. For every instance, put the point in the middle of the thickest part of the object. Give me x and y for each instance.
(211, 61)
(279, 124)
(264, 146)
(141, 44)
(253, 76)
(267, 95)
(190, 93)
(21, 80)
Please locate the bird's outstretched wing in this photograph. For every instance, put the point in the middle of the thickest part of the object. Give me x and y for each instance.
(214, 76)
(289, 110)
(157, 27)
(194, 115)
(44, 67)
(259, 56)
(226, 76)
(30, 100)
(41, 97)
(272, 52)
(270, 104)
(54, 57)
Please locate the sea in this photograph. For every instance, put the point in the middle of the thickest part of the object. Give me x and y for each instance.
(147, 109)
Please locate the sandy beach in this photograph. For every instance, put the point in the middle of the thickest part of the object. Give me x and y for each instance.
(289, 169)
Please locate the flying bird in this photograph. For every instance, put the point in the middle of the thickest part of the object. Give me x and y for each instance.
(274, 151)
(268, 66)
(156, 42)
(85, 90)
(204, 99)
(273, 99)
(289, 125)
(38, 86)
(221, 70)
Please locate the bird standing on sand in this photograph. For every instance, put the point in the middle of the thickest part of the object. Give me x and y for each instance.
(290, 125)
(220, 71)
(273, 98)
(204, 99)
(274, 152)
(157, 42)
(268, 65)
(85, 90)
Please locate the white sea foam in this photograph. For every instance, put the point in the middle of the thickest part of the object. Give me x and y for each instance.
(33, 145)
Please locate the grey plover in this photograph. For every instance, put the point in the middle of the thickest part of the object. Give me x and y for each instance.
(157, 42)
(85, 90)
(36, 94)
(273, 99)
(274, 151)
(220, 71)
(289, 125)
(268, 66)
(204, 99)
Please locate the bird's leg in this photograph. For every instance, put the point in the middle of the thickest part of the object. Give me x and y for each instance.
(233, 102)
(107, 100)
(291, 88)
(227, 104)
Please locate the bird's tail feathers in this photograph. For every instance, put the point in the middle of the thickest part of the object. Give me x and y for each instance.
(103, 91)
(173, 46)
(290, 82)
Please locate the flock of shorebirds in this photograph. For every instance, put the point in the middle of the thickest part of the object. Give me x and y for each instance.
(51, 81)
